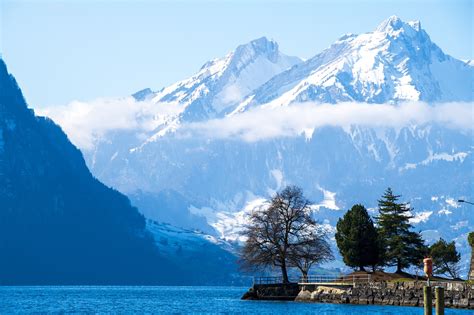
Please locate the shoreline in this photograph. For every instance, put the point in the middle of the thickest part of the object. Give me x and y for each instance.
(457, 295)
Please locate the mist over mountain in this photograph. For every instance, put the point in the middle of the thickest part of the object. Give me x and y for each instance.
(384, 108)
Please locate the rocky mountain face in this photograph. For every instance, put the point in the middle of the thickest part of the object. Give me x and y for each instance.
(221, 83)
(394, 63)
(60, 225)
(217, 180)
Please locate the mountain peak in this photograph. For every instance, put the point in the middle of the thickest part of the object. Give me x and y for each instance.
(247, 52)
(394, 26)
(392, 23)
(223, 82)
(258, 47)
(396, 62)
(263, 43)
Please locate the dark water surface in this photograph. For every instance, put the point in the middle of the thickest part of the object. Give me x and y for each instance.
(196, 300)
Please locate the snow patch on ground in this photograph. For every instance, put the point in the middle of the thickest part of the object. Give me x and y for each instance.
(308, 133)
(453, 203)
(230, 225)
(456, 157)
(170, 239)
(445, 211)
(421, 217)
(329, 200)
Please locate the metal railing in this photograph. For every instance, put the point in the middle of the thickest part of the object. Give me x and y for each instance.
(349, 279)
(272, 280)
(342, 279)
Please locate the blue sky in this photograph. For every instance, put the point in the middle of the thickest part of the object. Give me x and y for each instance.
(61, 51)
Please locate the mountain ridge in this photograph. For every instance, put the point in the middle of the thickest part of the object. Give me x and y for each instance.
(356, 67)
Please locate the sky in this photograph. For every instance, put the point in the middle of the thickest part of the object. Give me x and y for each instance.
(62, 51)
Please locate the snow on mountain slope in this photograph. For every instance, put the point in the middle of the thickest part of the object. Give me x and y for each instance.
(221, 83)
(171, 239)
(200, 253)
(396, 62)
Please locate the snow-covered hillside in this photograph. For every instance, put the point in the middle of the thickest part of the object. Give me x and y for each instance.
(221, 83)
(396, 62)
(210, 182)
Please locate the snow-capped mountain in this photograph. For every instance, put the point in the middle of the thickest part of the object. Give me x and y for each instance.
(211, 183)
(396, 62)
(221, 83)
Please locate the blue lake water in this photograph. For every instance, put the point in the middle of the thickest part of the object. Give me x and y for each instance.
(196, 300)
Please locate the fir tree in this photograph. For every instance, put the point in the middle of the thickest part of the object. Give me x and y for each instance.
(402, 247)
(357, 238)
(445, 258)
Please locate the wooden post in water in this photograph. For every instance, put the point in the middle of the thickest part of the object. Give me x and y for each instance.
(427, 300)
(427, 297)
(439, 295)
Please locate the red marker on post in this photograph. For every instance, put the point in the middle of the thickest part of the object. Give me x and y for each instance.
(428, 268)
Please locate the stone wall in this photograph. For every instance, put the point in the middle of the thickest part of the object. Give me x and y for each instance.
(471, 268)
(283, 292)
(457, 295)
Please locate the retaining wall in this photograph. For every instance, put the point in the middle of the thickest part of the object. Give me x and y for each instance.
(457, 294)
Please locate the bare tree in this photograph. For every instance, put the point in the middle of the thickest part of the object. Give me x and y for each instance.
(313, 248)
(285, 229)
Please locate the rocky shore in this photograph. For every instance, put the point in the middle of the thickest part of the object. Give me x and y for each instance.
(277, 292)
(457, 294)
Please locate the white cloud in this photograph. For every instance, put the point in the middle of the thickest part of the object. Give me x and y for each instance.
(265, 123)
(87, 122)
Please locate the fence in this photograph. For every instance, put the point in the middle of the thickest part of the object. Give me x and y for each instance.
(336, 279)
(272, 280)
(349, 279)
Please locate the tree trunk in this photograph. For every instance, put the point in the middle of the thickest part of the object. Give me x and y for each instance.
(284, 273)
(304, 273)
(399, 266)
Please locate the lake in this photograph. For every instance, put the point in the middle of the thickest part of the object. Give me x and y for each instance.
(161, 299)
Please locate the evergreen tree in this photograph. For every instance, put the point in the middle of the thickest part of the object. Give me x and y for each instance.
(357, 238)
(445, 258)
(402, 247)
(470, 239)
